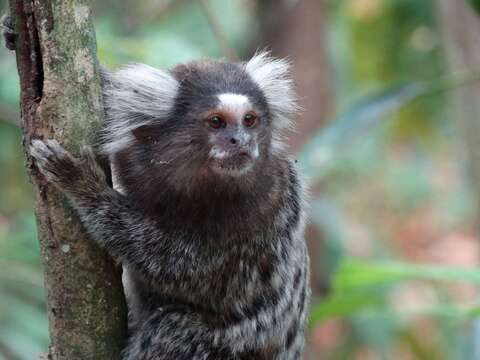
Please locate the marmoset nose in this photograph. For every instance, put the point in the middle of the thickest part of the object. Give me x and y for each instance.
(231, 139)
(234, 140)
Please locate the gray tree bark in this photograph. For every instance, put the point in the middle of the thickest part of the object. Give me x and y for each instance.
(461, 27)
(296, 30)
(61, 99)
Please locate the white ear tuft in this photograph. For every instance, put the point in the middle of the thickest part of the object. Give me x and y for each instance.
(274, 79)
(134, 95)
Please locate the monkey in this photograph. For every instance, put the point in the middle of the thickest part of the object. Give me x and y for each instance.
(207, 209)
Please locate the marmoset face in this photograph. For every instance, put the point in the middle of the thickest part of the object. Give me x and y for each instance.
(233, 128)
(225, 115)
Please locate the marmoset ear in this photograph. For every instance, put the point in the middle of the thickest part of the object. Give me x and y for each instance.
(134, 96)
(273, 77)
(146, 133)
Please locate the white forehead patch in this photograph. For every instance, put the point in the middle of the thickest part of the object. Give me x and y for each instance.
(235, 103)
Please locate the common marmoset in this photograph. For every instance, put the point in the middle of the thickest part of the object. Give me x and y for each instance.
(207, 211)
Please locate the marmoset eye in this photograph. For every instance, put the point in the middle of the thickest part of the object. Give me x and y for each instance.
(250, 120)
(216, 122)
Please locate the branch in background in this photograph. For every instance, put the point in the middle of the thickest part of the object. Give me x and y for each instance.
(217, 31)
(154, 13)
(9, 115)
(298, 30)
(5, 352)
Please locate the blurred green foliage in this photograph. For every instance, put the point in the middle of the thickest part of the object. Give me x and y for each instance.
(362, 291)
(393, 187)
(23, 320)
(391, 41)
(475, 4)
(359, 286)
(180, 34)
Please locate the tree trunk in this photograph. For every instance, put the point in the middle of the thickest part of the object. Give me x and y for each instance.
(461, 27)
(61, 99)
(296, 30)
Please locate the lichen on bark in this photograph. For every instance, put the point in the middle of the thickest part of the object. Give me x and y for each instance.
(61, 99)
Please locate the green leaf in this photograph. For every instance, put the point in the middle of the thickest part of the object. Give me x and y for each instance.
(354, 274)
(360, 287)
(339, 305)
(372, 305)
(475, 4)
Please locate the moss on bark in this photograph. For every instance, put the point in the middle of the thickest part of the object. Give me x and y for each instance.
(61, 99)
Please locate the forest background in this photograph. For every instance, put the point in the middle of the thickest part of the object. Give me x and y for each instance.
(389, 138)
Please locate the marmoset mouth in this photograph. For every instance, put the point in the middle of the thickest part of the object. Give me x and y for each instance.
(234, 165)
